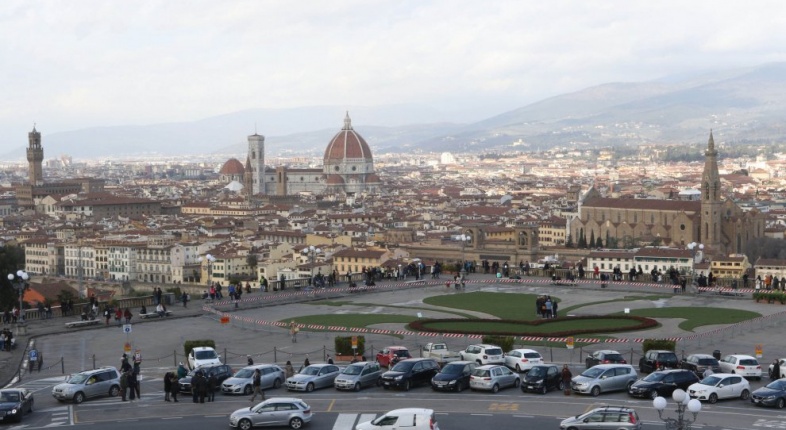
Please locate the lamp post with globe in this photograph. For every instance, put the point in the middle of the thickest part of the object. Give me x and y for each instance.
(311, 252)
(684, 404)
(209, 259)
(464, 238)
(20, 285)
(696, 250)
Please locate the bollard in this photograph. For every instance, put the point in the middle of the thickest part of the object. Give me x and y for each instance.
(62, 366)
(275, 355)
(94, 361)
(174, 359)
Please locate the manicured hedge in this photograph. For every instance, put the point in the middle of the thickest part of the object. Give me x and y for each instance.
(644, 323)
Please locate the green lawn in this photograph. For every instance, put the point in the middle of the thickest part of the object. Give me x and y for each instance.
(414, 309)
(697, 317)
(501, 305)
(525, 329)
(352, 320)
(569, 309)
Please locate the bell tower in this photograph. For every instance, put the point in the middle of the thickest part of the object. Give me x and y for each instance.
(256, 158)
(711, 203)
(35, 156)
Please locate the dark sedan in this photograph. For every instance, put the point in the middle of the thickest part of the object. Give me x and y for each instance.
(15, 403)
(605, 356)
(773, 394)
(663, 383)
(453, 377)
(222, 372)
(542, 378)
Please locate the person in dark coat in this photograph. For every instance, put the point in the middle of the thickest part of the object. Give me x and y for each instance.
(196, 383)
(212, 383)
(202, 388)
(131, 382)
(167, 385)
(174, 385)
(776, 370)
(567, 376)
(123, 385)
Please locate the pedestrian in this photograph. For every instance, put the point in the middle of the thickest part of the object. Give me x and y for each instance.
(131, 382)
(196, 382)
(181, 371)
(175, 387)
(123, 385)
(329, 359)
(554, 307)
(184, 298)
(256, 382)
(127, 314)
(40, 361)
(306, 363)
(125, 366)
(212, 385)
(567, 376)
(108, 314)
(118, 315)
(167, 385)
(707, 372)
(289, 370)
(776, 370)
(250, 360)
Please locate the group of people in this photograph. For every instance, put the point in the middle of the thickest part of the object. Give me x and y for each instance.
(6, 339)
(545, 307)
(130, 377)
(11, 315)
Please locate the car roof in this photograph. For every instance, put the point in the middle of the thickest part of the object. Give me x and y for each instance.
(100, 369)
(202, 348)
(488, 366)
(701, 355)
(397, 347)
(723, 375)
(661, 350)
(611, 365)
(411, 411)
(485, 345)
(614, 408)
(413, 359)
(523, 350)
(742, 356)
(283, 399)
(463, 362)
(673, 371)
(361, 363)
(608, 351)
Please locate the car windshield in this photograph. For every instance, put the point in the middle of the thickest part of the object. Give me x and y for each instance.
(655, 377)
(749, 362)
(205, 355)
(710, 380)
(537, 371)
(531, 355)
(401, 353)
(480, 372)
(592, 372)
(779, 385)
(403, 366)
(613, 357)
(708, 361)
(453, 369)
(493, 351)
(244, 373)
(310, 370)
(9, 397)
(352, 370)
(77, 378)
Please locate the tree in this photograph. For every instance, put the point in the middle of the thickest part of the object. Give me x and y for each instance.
(251, 260)
(12, 258)
(592, 239)
(569, 242)
(582, 239)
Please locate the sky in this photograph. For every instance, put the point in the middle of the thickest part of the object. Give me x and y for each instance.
(74, 64)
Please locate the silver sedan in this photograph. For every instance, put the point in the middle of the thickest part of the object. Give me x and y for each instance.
(313, 377)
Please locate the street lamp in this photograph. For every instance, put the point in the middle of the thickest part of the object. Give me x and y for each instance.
(21, 283)
(311, 252)
(400, 273)
(464, 238)
(210, 260)
(684, 403)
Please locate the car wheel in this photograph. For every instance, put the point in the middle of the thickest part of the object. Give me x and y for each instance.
(407, 386)
(544, 390)
(713, 398)
(517, 382)
(595, 391)
(495, 388)
(247, 390)
(518, 369)
(277, 383)
(780, 403)
(653, 394)
(244, 424)
(310, 387)
(561, 386)
(459, 387)
(745, 395)
(385, 387)
(114, 391)
(357, 386)
(33, 401)
(79, 397)
(295, 423)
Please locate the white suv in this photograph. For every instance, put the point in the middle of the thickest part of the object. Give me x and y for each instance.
(483, 354)
(203, 356)
(743, 365)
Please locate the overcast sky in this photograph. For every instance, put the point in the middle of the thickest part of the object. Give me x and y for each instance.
(80, 63)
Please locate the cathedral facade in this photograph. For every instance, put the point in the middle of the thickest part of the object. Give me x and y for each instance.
(716, 222)
(348, 168)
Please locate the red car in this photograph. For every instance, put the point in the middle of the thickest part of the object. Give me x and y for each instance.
(392, 355)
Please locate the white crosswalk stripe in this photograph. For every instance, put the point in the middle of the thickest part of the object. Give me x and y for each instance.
(348, 421)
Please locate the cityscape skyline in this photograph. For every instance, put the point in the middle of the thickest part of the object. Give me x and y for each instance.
(104, 64)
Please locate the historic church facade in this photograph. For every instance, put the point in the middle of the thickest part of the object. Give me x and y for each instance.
(716, 222)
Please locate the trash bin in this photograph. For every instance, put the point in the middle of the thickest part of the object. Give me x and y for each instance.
(716, 354)
(169, 299)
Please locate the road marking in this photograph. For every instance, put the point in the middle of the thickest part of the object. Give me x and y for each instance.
(330, 408)
(345, 421)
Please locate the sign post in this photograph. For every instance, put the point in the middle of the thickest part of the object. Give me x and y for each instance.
(569, 342)
(759, 350)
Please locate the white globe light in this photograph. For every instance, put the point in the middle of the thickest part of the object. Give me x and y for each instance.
(659, 403)
(25, 276)
(678, 395)
(20, 272)
(694, 405)
(10, 276)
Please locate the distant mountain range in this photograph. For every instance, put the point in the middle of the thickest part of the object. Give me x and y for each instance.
(741, 105)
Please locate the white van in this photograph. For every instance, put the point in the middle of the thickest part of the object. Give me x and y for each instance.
(409, 418)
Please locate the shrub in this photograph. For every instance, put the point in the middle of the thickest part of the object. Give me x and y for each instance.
(644, 323)
(191, 344)
(343, 345)
(504, 342)
(658, 344)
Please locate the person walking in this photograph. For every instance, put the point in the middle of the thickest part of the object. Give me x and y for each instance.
(256, 382)
(131, 382)
(167, 385)
(127, 314)
(184, 298)
(196, 382)
(123, 385)
(567, 376)
(289, 370)
(175, 386)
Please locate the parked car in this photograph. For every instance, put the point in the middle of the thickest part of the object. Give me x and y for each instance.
(782, 365)
(222, 372)
(439, 352)
(658, 359)
(601, 418)
(313, 377)
(410, 373)
(358, 375)
(15, 403)
(483, 354)
(202, 356)
(493, 377)
(276, 411)
(663, 383)
(391, 355)
(542, 378)
(453, 376)
(604, 378)
(104, 381)
(604, 356)
(773, 394)
(720, 386)
(242, 382)
(522, 359)
(744, 365)
(698, 363)
(409, 419)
